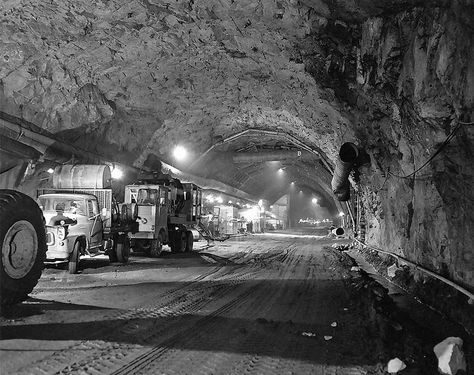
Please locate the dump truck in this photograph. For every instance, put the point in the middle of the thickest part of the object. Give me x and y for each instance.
(83, 217)
(23, 241)
(166, 212)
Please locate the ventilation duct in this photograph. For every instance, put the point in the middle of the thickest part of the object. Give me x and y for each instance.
(340, 185)
(255, 157)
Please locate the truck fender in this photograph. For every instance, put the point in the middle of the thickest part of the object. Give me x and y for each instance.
(73, 239)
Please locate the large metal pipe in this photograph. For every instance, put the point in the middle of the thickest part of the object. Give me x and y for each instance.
(340, 180)
(17, 149)
(44, 142)
(254, 157)
(338, 231)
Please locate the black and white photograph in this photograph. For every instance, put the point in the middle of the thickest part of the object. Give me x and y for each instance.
(237, 187)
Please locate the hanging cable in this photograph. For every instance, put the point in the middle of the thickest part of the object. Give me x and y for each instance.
(443, 145)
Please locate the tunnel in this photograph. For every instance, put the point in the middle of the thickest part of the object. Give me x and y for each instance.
(264, 97)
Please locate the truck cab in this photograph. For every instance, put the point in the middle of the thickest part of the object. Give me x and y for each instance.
(151, 205)
(71, 218)
(166, 210)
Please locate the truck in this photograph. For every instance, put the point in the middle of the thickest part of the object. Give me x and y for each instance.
(83, 217)
(166, 211)
(23, 241)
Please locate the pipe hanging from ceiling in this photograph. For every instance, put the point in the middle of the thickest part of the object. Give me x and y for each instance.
(273, 133)
(272, 155)
(340, 185)
(46, 144)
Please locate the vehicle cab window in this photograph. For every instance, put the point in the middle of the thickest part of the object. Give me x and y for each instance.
(163, 196)
(92, 208)
(147, 196)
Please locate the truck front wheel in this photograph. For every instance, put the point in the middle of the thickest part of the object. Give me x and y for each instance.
(156, 246)
(122, 250)
(179, 241)
(189, 241)
(23, 242)
(74, 258)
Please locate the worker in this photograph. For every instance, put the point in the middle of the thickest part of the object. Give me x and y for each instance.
(60, 218)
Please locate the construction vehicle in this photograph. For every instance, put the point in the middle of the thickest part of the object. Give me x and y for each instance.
(166, 211)
(22, 237)
(83, 218)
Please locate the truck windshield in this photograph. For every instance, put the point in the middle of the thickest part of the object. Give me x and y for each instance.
(147, 196)
(68, 205)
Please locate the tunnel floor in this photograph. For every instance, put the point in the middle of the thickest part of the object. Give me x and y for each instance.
(256, 304)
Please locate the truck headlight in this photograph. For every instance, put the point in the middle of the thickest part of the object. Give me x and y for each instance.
(61, 233)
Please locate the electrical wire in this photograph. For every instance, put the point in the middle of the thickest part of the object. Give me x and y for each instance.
(443, 145)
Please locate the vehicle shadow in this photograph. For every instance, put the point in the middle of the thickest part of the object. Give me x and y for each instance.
(34, 306)
(141, 261)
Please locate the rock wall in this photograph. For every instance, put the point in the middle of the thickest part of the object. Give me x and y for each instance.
(415, 86)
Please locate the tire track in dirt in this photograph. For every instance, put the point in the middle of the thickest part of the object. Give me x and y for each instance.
(225, 295)
(264, 364)
(57, 360)
(206, 362)
(142, 362)
(162, 356)
(195, 299)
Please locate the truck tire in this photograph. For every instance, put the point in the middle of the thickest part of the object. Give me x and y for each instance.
(156, 246)
(189, 241)
(74, 258)
(122, 250)
(23, 245)
(178, 243)
(111, 251)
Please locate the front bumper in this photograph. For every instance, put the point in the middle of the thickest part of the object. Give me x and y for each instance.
(58, 251)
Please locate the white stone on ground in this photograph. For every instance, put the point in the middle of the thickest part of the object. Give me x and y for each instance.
(395, 365)
(450, 356)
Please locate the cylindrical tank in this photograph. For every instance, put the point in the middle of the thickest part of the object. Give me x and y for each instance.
(82, 176)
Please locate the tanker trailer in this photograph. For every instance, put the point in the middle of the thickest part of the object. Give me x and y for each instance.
(83, 217)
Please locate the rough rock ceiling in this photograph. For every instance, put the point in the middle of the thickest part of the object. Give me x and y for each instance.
(139, 77)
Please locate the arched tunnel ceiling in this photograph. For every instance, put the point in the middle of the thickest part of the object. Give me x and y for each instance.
(130, 80)
(133, 79)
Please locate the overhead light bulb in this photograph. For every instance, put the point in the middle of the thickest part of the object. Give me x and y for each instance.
(116, 173)
(50, 171)
(180, 153)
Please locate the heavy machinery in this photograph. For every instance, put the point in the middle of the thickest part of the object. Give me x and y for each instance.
(166, 211)
(83, 218)
(23, 241)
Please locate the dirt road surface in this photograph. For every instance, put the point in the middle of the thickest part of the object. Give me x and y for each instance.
(259, 304)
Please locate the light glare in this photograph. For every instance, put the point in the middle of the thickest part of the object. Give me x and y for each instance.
(116, 174)
(180, 153)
